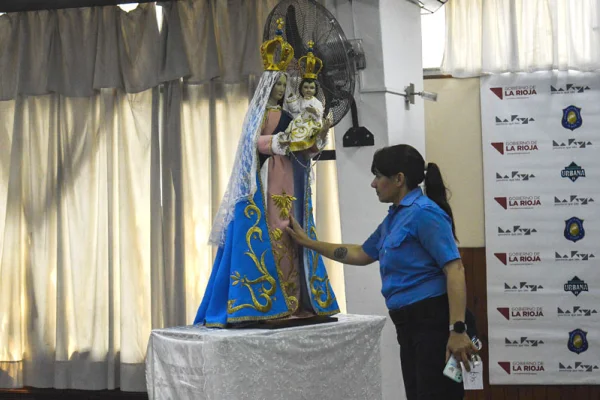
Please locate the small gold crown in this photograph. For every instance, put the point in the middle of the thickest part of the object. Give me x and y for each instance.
(268, 49)
(308, 63)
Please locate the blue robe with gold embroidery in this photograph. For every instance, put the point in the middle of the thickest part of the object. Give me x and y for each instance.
(246, 283)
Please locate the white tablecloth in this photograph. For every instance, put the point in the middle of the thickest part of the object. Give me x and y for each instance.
(335, 360)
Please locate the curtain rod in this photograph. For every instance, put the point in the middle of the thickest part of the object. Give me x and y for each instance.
(35, 5)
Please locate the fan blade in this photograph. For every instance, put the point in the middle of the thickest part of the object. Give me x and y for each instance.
(292, 34)
(336, 56)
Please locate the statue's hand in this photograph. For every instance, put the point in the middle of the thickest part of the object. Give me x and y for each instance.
(325, 128)
(311, 110)
(280, 143)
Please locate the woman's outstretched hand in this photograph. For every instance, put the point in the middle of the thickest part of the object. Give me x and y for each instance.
(297, 233)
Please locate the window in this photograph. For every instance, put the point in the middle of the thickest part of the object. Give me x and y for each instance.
(132, 6)
(433, 34)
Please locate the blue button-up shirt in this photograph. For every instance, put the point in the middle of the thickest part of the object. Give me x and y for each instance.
(413, 244)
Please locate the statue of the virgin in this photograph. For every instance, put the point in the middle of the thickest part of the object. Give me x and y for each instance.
(259, 273)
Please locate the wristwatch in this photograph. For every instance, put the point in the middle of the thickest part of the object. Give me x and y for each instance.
(458, 327)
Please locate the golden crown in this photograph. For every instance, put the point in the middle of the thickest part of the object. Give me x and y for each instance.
(268, 49)
(308, 63)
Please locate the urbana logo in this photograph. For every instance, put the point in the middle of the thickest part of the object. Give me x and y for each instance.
(522, 287)
(516, 230)
(576, 312)
(514, 176)
(571, 118)
(519, 202)
(569, 88)
(573, 256)
(514, 92)
(520, 258)
(514, 120)
(521, 313)
(573, 200)
(577, 366)
(523, 342)
(519, 147)
(522, 367)
(576, 286)
(573, 172)
(571, 144)
(574, 229)
(577, 342)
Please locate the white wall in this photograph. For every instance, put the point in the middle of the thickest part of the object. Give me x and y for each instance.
(390, 30)
(401, 32)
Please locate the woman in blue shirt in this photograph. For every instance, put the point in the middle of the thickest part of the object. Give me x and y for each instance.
(422, 275)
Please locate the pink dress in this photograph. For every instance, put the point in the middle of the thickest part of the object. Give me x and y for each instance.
(281, 201)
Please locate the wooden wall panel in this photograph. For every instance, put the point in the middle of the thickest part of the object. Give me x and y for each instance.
(475, 271)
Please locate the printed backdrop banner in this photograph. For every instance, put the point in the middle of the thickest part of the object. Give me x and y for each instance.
(541, 156)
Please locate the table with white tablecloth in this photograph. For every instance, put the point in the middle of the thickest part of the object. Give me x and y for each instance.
(333, 360)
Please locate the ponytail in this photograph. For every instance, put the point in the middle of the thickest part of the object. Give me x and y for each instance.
(437, 191)
(404, 158)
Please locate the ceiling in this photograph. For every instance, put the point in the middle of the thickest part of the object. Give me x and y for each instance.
(33, 5)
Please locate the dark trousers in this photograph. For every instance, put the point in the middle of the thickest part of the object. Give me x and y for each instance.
(422, 330)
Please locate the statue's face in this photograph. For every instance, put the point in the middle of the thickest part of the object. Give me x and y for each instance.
(278, 90)
(308, 89)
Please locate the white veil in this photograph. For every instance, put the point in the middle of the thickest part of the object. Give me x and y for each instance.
(242, 182)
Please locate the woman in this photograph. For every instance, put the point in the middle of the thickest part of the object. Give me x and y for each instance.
(422, 274)
(259, 273)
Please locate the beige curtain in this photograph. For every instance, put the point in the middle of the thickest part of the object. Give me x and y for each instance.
(75, 234)
(109, 178)
(498, 36)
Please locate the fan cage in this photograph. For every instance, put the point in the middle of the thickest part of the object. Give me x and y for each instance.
(307, 20)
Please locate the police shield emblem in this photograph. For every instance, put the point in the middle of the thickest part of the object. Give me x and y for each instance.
(571, 118)
(574, 229)
(577, 341)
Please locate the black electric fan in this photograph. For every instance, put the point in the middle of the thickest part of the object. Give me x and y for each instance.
(307, 20)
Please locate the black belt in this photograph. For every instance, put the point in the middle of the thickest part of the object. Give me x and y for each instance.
(433, 306)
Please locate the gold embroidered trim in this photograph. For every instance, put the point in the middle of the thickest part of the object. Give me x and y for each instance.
(302, 144)
(284, 203)
(276, 233)
(327, 313)
(279, 273)
(215, 325)
(259, 318)
(288, 284)
(316, 291)
(315, 288)
(268, 287)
